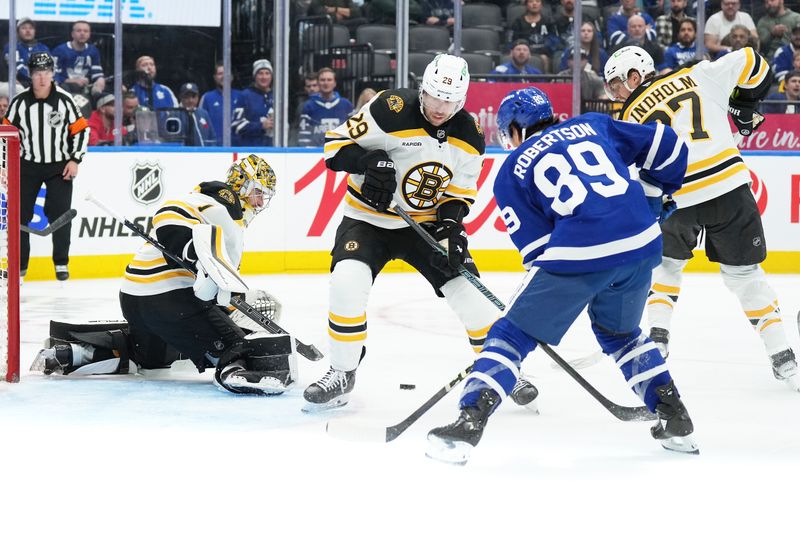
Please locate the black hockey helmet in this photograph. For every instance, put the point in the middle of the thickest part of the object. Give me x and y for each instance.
(41, 61)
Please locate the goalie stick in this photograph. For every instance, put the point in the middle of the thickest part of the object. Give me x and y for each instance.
(308, 351)
(624, 413)
(59, 222)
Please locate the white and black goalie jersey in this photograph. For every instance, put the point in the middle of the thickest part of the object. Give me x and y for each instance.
(433, 165)
(214, 203)
(682, 100)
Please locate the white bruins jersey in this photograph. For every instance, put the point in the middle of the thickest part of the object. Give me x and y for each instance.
(150, 273)
(433, 165)
(694, 102)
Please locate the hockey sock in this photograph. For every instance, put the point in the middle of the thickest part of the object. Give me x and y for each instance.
(475, 311)
(760, 304)
(638, 359)
(664, 292)
(350, 285)
(497, 366)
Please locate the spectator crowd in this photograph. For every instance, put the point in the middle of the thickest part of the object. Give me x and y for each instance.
(520, 41)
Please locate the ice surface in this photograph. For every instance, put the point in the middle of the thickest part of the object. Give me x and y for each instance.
(166, 466)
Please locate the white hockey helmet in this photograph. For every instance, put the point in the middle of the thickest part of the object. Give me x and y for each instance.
(620, 64)
(253, 181)
(446, 78)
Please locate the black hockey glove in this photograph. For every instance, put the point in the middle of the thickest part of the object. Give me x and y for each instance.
(379, 179)
(450, 234)
(745, 115)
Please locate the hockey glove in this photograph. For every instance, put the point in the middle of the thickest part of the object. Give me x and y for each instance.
(745, 116)
(205, 288)
(662, 208)
(380, 181)
(452, 236)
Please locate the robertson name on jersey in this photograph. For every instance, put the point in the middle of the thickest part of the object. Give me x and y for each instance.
(694, 102)
(214, 203)
(569, 202)
(433, 165)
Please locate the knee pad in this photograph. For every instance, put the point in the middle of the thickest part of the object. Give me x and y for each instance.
(497, 366)
(262, 363)
(639, 360)
(476, 313)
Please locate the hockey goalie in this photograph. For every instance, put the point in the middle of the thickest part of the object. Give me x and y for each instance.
(175, 314)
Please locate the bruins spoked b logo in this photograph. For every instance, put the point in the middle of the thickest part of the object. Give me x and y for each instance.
(424, 183)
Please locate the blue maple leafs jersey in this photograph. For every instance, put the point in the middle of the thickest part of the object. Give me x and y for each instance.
(569, 201)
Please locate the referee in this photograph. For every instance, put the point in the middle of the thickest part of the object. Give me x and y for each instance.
(53, 140)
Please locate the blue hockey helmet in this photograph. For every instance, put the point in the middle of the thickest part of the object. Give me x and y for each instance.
(524, 108)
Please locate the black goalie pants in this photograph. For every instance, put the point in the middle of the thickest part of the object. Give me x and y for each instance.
(57, 201)
(198, 330)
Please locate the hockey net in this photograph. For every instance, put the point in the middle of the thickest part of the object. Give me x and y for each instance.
(9, 254)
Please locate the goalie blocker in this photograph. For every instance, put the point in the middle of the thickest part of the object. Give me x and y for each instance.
(261, 363)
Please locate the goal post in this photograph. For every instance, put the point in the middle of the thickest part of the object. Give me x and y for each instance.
(9, 254)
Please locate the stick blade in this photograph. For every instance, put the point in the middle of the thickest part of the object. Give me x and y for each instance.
(350, 429)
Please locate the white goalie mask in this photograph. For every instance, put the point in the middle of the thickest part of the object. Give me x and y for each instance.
(443, 91)
(619, 67)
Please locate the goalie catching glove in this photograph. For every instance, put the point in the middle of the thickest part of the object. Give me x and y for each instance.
(380, 180)
(745, 115)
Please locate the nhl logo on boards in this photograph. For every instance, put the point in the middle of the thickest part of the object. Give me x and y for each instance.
(55, 119)
(146, 187)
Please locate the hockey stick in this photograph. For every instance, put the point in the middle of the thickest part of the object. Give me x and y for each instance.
(368, 432)
(308, 351)
(59, 222)
(625, 413)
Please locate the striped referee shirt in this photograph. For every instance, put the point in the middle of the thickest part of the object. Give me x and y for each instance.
(52, 129)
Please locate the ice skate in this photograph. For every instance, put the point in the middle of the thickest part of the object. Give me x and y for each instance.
(331, 391)
(661, 338)
(454, 442)
(524, 394)
(674, 427)
(784, 367)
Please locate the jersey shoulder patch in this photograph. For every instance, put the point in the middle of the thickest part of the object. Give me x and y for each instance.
(465, 127)
(221, 193)
(396, 109)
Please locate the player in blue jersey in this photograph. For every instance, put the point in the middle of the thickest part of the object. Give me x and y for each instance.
(78, 62)
(323, 111)
(212, 103)
(589, 235)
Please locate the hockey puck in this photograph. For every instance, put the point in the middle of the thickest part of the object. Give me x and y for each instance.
(407, 386)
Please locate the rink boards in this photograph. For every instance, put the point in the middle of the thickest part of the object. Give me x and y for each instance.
(296, 233)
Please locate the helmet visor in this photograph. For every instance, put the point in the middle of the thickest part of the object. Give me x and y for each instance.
(438, 110)
(615, 89)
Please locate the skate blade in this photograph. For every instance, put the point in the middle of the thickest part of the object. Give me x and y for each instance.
(337, 402)
(451, 452)
(680, 444)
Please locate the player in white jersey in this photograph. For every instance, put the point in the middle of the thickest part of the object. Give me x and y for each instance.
(715, 197)
(174, 313)
(421, 150)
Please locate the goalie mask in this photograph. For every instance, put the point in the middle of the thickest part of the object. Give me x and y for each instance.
(444, 88)
(253, 180)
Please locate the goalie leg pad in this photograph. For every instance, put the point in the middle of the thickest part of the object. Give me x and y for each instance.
(639, 360)
(93, 342)
(760, 303)
(263, 364)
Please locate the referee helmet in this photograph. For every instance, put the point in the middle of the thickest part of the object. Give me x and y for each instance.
(41, 61)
